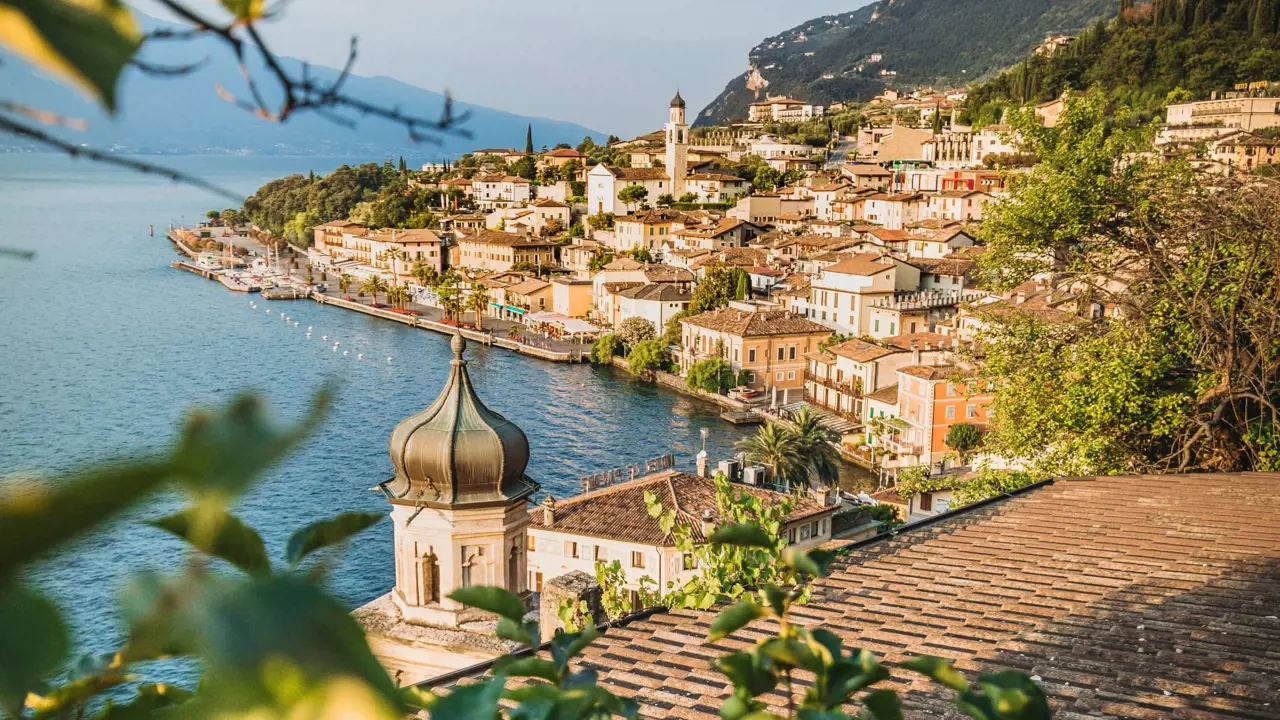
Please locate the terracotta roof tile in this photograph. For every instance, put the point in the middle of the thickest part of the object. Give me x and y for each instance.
(762, 323)
(619, 512)
(1113, 590)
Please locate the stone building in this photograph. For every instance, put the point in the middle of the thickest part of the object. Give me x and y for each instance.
(458, 505)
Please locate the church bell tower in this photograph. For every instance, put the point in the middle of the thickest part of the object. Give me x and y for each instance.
(677, 158)
(458, 502)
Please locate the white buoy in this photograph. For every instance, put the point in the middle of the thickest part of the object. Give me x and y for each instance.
(344, 352)
(388, 358)
(295, 323)
(335, 348)
(324, 337)
(308, 328)
(360, 356)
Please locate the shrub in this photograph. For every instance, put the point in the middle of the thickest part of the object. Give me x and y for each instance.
(712, 375)
(605, 348)
(647, 356)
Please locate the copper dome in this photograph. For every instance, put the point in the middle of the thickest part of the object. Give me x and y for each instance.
(457, 451)
(677, 101)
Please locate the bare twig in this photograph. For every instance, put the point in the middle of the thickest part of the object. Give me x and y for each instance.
(14, 127)
(168, 70)
(44, 117)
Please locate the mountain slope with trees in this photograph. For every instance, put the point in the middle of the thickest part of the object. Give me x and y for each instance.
(926, 42)
(1151, 54)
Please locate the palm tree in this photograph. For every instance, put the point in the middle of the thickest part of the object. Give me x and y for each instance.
(776, 447)
(449, 294)
(396, 295)
(424, 274)
(392, 255)
(478, 302)
(816, 449)
(344, 283)
(373, 285)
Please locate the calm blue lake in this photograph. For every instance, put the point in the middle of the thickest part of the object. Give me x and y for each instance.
(105, 347)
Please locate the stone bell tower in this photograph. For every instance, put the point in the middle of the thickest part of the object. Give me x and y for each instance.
(677, 137)
(458, 502)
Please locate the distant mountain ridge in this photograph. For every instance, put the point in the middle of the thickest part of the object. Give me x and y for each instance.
(185, 114)
(925, 42)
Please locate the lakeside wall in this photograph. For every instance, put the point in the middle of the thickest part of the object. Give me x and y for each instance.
(678, 384)
(481, 337)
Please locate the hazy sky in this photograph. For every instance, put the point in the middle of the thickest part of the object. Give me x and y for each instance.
(609, 65)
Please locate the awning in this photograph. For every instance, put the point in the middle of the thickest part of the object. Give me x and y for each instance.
(516, 310)
(496, 304)
(570, 325)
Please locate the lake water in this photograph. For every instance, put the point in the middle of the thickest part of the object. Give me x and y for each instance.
(105, 346)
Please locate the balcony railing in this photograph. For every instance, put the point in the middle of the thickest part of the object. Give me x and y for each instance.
(849, 387)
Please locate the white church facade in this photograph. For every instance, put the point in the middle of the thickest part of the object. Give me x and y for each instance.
(605, 182)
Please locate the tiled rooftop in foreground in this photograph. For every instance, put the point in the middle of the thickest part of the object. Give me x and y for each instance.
(1128, 597)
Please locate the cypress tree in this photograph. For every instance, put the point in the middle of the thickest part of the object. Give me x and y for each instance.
(1264, 19)
(528, 140)
(1204, 13)
(1185, 10)
(403, 168)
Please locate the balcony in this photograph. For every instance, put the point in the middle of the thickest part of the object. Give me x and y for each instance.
(897, 446)
(853, 386)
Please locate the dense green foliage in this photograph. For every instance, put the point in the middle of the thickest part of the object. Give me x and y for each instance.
(711, 375)
(376, 195)
(1183, 372)
(938, 43)
(803, 452)
(1187, 48)
(648, 356)
(964, 438)
(718, 286)
(605, 348)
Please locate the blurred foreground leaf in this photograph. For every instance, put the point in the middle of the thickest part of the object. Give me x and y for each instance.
(221, 454)
(244, 628)
(496, 600)
(33, 642)
(37, 517)
(324, 533)
(214, 531)
(151, 697)
(85, 41)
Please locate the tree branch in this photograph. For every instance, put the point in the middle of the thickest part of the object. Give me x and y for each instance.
(33, 133)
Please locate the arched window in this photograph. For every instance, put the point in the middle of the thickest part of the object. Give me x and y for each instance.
(430, 577)
(513, 568)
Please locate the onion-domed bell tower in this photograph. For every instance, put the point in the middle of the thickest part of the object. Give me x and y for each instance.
(458, 502)
(677, 157)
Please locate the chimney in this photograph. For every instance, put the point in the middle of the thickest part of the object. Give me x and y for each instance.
(826, 495)
(702, 464)
(1019, 298)
(549, 511)
(915, 353)
(708, 522)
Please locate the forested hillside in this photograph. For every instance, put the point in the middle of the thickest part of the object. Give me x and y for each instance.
(1151, 53)
(925, 42)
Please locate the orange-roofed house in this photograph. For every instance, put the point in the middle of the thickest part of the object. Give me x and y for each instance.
(769, 344)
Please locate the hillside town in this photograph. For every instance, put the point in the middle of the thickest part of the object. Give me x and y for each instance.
(929, 369)
(845, 267)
